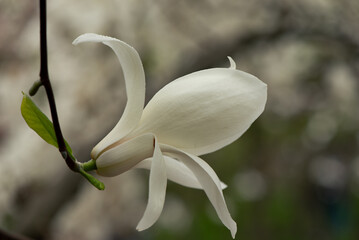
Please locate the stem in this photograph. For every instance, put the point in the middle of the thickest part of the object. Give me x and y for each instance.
(70, 160)
(45, 80)
(35, 87)
(89, 166)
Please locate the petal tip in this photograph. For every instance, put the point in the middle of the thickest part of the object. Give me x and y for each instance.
(143, 225)
(223, 185)
(75, 42)
(140, 228)
(82, 38)
(232, 63)
(92, 37)
(234, 230)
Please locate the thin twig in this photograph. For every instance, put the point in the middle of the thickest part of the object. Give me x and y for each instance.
(45, 80)
(70, 160)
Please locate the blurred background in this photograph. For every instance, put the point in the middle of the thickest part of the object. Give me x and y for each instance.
(293, 175)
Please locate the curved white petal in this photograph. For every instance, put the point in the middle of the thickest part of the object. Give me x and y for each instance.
(177, 172)
(232, 63)
(125, 156)
(204, 111)
(135, 88)
(157, 190)
(209, 181)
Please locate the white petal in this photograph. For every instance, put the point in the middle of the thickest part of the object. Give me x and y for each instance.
(157, 190)
(177, 172)
(125, 156)
(135, 88)
(232, 63)
(204, 111)
(209, 181)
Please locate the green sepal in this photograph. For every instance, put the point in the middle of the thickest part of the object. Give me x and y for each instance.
(95, 182)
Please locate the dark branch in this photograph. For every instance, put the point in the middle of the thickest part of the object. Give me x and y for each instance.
(5, 235)
(45, 80)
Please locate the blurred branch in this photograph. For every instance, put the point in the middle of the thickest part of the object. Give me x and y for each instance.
(11, 32)
(38, 213)
(282, 28)
(5, 235)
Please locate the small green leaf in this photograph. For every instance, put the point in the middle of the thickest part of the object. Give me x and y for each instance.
(38, 122)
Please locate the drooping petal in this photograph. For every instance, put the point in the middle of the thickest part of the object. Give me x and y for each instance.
(135, 88)
(157, 190)
(204, 111)
(125, 156)
(177, 172)
(209, 181)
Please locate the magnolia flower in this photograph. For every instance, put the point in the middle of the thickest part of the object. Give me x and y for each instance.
(193, 115)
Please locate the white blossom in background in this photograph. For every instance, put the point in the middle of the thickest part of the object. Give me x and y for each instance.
(194, 115)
